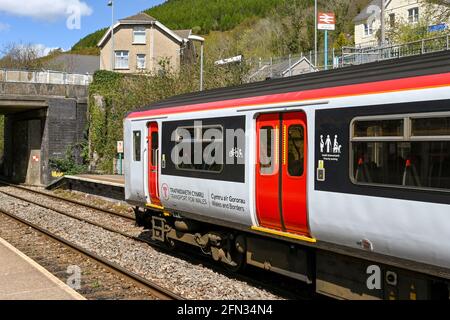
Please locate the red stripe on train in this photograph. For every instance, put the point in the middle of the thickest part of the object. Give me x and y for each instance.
(421, 82)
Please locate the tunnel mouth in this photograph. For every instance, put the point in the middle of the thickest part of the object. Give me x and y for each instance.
(22, 135)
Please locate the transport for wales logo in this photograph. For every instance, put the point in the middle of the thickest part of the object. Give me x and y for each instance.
(165, 191)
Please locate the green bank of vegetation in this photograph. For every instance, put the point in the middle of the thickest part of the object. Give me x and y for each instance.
(204, 16)
(88, 45)
(276, 25)
(113, 95)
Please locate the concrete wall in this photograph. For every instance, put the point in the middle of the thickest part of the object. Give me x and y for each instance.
(158, 45)
(62, 125)
(43, 90)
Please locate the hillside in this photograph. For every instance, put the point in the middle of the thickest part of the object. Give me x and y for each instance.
(284, 24)
(200, 15)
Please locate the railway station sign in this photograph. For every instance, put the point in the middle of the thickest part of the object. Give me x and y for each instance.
(326, 21)
(119, 146)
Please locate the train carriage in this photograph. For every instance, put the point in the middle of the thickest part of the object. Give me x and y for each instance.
(328, 177)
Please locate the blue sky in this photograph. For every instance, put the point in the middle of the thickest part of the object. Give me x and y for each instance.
(45, 22)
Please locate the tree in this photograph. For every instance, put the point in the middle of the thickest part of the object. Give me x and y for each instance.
(21, 56)
(341, 41)
(441, 15)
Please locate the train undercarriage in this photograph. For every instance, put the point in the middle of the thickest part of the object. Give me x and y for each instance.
(328, 273)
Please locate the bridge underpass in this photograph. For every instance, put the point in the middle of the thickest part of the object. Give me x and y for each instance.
(41, 122)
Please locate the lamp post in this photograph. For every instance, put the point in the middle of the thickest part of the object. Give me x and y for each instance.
(111, 4)
(315, 32)
(202, 41)
(383, 21)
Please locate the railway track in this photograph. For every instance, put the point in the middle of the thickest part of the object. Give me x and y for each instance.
(155, 290)
(62, 199)
(190, 255)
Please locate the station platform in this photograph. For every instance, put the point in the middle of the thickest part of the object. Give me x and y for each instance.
(108, 186)
(21, 278)
(113, 180)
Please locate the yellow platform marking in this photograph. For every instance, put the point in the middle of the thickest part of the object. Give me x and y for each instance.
(284, 234)
(154, 206)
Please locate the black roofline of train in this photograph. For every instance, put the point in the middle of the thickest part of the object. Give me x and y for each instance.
(413, 66)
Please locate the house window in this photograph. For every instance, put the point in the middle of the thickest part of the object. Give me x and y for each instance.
(139, 35)
(392, 20)
(413, 15)
(140, 58)
(121, 60)
(368, 29)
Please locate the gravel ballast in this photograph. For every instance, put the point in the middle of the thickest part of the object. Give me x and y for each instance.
(184, 278)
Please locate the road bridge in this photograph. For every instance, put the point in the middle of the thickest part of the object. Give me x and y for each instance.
(43, 118)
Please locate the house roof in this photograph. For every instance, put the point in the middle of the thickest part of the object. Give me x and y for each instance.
(366, 12)
(141, 17)
(183, 33)
(280, 69)
(285, 68)
(75, 63)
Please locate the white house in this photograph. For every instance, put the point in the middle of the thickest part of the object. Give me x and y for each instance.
(368, 21)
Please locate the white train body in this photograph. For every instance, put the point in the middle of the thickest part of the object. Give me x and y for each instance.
(352, 196)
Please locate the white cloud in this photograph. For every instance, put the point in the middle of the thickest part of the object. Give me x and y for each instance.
(43, 50)
(48, 10)
(4, 27)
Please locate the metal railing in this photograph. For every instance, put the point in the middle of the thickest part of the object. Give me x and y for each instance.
(354, 56)
(44, 76)
(278, 67)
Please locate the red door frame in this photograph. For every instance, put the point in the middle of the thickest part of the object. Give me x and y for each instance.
(153, 170)
(267, 185)
(281, 199)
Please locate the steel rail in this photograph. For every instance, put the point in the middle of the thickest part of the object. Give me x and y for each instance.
(68, 200)
(153, 244)
(156, 290)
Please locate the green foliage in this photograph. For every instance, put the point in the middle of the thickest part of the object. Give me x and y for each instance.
(88, 45)
(254, 28)
(341, 41)
(113, 95)
(404, 32)
(210, 15)
(288, 29)
(69, 165)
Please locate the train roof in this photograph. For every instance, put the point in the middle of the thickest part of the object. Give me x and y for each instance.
(420, 65)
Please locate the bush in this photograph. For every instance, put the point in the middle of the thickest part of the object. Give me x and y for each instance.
(70, 165)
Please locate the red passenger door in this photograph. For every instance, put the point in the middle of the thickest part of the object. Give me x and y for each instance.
(281, 172)
(153, 156)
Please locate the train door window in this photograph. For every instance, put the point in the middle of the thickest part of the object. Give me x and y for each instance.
(155, 147)
(419, 158)
(137, 145)
(266, 150)
(295, 150)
